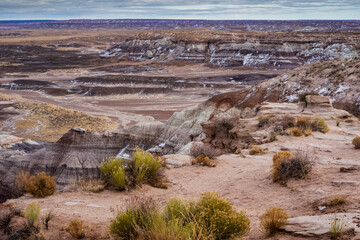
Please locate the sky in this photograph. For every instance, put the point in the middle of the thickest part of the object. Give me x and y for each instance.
(180, 9)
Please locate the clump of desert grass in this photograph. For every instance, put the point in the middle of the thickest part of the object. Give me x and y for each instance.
(294, 126)
(273, 220)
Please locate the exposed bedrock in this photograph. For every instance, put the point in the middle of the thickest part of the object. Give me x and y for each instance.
(255, 50)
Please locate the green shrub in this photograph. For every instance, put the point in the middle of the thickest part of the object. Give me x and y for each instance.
(273, 219)
(41, 185)
(177, 209)
(138, 217)
(146, 167)
(113, 172)
(210, 218)
(356, 142)
(32, 213)
(286, 165)
(216, 214)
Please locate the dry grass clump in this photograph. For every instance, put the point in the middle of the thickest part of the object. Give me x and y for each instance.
(91, 185)
(22, 178)
(335, 201)
(295, 131)
(273, 219)
(307, 132)
(41, 185)
(77, 229)
(320, 125)
(210, 218)
(356, 142)
(256, 150)
(286, 165)
(301, 125)
(205, 150)
(201, 160)
(144, 168)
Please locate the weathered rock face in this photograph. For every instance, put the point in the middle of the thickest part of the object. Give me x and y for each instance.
(319, 225)
(239, 127)
(255, 50)
(338, 80)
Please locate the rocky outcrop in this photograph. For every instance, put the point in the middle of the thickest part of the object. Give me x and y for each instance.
(255, 50)
(310, 226)
(337, 80)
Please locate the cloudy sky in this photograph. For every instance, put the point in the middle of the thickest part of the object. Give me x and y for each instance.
(180, 9)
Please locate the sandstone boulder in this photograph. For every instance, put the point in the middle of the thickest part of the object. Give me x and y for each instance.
(321, 224)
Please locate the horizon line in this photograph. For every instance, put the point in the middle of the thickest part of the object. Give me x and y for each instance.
(181, 19)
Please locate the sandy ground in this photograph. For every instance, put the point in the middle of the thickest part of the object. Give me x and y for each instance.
(245, 181)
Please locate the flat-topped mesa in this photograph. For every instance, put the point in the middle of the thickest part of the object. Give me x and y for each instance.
(255, 50)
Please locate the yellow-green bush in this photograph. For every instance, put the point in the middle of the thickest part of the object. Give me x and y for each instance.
(32, 213)
(272, 220)
(146, 167)
(210, 218)
(356, 142)
(113, 172)
(286, 165)
(216, 214)
(41, 185)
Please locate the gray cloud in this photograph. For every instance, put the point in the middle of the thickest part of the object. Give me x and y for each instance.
(205, 9)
